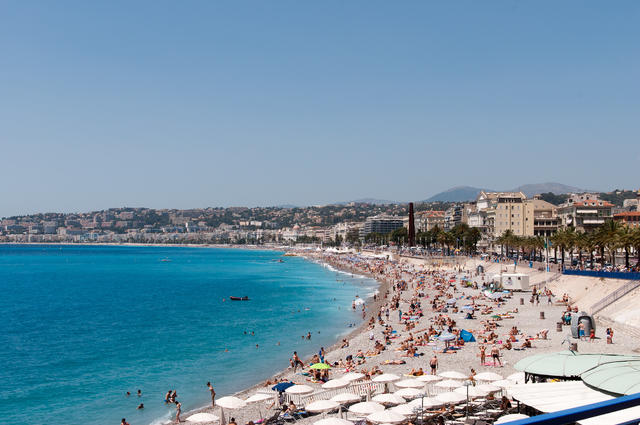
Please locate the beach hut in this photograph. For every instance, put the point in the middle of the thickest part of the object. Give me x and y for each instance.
(512, 281)
(582, 317)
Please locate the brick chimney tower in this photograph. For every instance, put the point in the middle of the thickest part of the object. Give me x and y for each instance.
(412, 227)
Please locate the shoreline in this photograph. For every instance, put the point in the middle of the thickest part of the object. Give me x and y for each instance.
(372, 306)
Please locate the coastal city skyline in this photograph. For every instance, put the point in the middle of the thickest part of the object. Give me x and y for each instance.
(221, 104)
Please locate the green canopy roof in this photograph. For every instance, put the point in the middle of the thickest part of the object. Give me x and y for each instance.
(566, 364)
(618, 377)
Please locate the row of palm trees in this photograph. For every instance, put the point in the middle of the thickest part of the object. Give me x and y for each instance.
(608, 239)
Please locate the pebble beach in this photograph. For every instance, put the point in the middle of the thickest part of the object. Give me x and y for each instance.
(430, 285)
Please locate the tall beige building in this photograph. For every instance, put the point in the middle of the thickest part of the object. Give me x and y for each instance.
(506, 211)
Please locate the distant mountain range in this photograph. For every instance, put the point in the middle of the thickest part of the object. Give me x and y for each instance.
(468, 193)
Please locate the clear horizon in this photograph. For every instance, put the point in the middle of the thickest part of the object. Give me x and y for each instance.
(170, 105)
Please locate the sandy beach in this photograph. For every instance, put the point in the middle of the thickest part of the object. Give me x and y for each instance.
(428, 285)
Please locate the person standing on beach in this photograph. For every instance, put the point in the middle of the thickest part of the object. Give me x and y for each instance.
(297, 361)
(213, 394)
(483, 354)
(178, 411)
(434, 364)
(495, 355)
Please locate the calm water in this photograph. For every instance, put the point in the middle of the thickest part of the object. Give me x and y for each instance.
(81, 326)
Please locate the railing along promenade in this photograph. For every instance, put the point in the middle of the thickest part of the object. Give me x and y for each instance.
(603, 274)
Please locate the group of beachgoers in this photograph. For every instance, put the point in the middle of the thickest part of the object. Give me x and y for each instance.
(418, 315)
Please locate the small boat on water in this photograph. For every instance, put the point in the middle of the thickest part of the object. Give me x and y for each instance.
(245, 298)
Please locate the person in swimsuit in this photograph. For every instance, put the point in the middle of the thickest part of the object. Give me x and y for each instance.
(434, 364)
(483, 354)
(213, 394)
(124, 422)
(178, 411)
(495, 355)
(167, 397)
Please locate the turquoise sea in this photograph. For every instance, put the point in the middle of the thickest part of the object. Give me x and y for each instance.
(82, 325)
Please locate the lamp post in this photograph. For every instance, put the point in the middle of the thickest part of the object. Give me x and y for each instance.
(467, 384)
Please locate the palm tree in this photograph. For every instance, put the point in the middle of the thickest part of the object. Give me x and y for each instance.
(609, 238)
(625, 238)
(636, 244)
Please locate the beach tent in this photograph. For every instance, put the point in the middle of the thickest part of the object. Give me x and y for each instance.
(467, 336)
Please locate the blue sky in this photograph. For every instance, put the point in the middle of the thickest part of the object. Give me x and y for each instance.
(212, 103)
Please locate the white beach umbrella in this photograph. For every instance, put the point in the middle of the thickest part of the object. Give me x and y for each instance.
(259, 397)
(427, 402)
(345, 398)
(504, 383)
(386, 416)
(366, 408)
(408, 393)
(409, 383)
(388, 398)
(322, 406)
(509, 418)
(352, 376)
(472, 391)
(386, 377)
(448, 383)
(488, 376)
(489, 388)
(451, 397)
(299, 389)
(231, 402)
(517, 377)
(333, 421)
(429, 378)
(256, 398)
(405, 409)
(335, 383)
(452, 374)
(201, 418)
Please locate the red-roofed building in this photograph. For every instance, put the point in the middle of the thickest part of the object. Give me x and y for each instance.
(427, 220)
(629, 218)
(585, 212)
